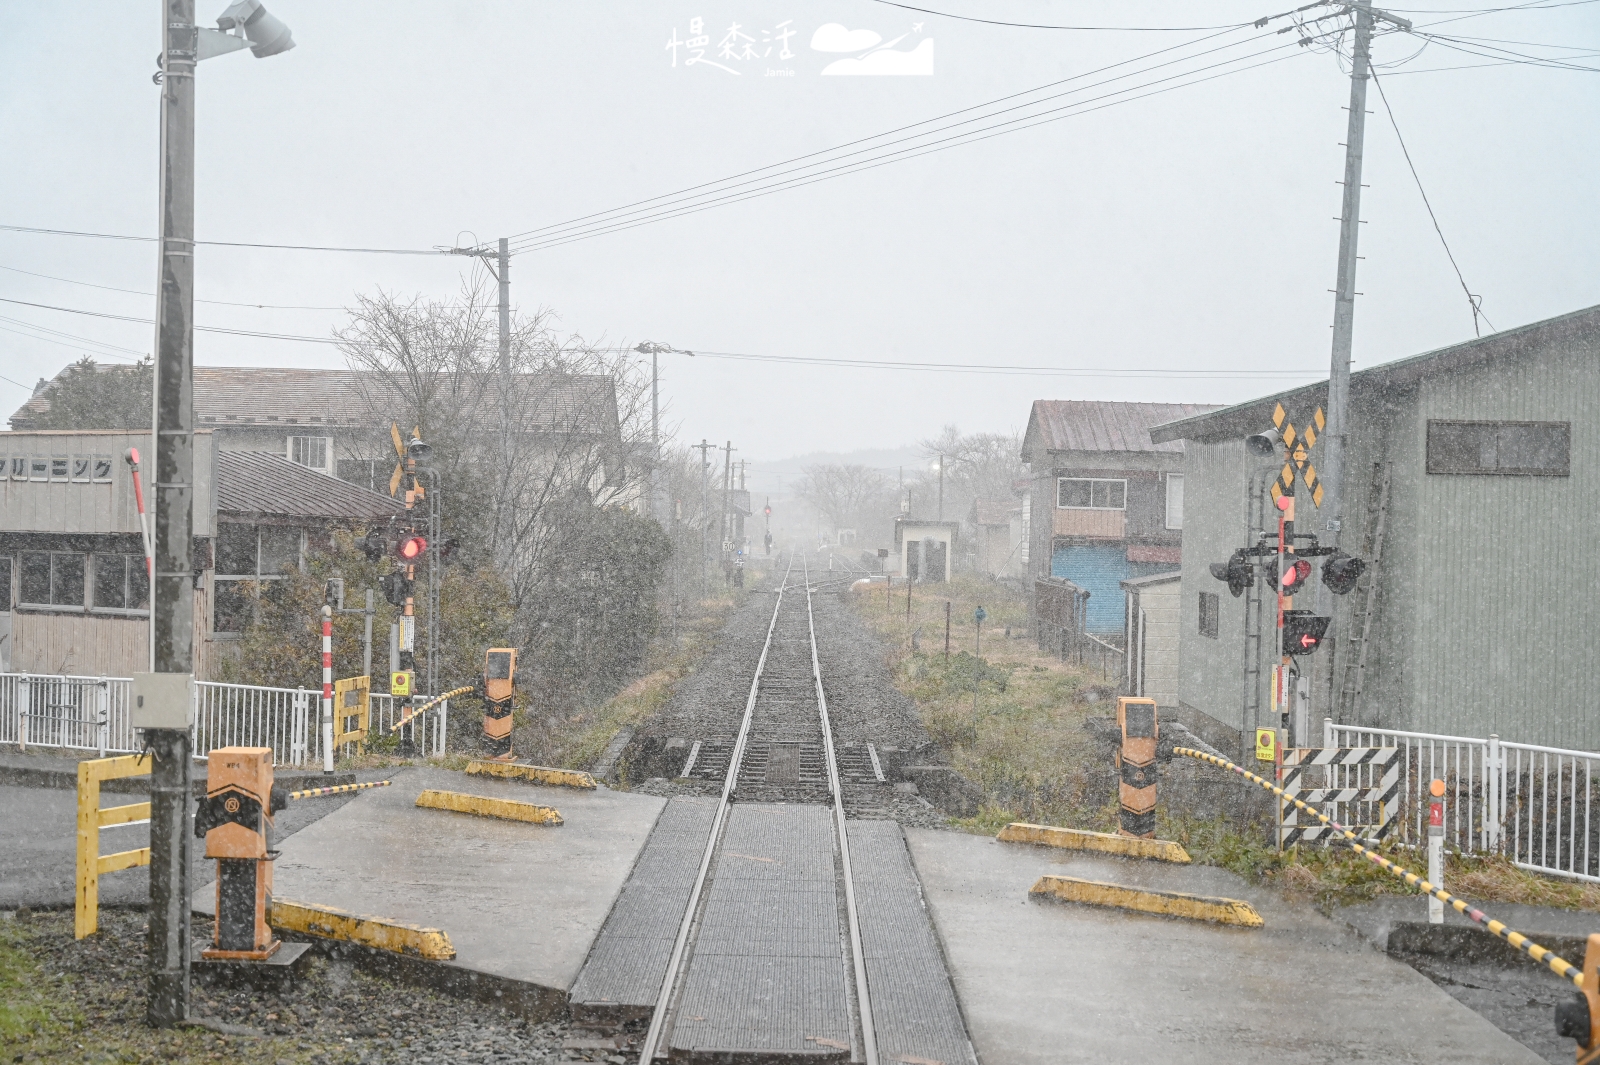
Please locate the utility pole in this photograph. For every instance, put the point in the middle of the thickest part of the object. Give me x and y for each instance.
(941, 486)
(727, 488)
(504, 277)
(705, 507)
(1344, 300)
(172, 591)
(655, 438)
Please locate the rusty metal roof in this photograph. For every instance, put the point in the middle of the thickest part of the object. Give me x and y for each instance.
(1102, 425)
(258, 484)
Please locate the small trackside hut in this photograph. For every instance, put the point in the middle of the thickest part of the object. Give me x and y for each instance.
(1471, 478)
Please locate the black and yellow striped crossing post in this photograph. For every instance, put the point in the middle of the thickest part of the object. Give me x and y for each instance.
(499, 678)
(1136, 766)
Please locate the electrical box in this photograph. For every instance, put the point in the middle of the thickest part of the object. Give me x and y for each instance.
(162, 701)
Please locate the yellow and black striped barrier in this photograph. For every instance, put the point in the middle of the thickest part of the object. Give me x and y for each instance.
(337, 789)
(1560, 966)
(429, 705)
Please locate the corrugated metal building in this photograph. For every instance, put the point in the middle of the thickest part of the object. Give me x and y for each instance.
(1484, 618)
(1106, 503)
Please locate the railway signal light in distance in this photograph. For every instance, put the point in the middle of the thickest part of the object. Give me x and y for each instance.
(1295, 575)
(1302, 631)
(1236, 572)
(396, 589)
(373, 545)
(410, 548)
(1341, 572)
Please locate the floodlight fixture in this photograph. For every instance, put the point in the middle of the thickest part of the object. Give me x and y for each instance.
(419, 451)
(265, 31)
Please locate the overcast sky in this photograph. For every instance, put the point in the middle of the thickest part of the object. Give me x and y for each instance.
(1192, 230)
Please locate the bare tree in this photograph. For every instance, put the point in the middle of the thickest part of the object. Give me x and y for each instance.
(521, 456)
(849, 496)
(977, 466)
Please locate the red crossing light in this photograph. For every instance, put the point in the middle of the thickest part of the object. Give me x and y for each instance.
(410, 548)
(1295, 575)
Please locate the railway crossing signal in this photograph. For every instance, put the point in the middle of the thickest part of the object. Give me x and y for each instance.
(1341, 572)
(1237, 572)
(396, 588)
(410, 548)
(1302, 631)
(1295, 576)
(373, 545)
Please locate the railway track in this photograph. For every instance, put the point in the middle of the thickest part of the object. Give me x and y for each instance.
(779, 918)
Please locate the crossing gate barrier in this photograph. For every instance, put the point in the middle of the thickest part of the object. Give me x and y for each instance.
(1356, 786)
(352, 716)
(91, 819)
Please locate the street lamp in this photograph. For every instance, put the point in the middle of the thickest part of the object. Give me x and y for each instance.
(184, 44)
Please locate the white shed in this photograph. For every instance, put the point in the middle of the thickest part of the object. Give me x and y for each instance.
(1152, 630)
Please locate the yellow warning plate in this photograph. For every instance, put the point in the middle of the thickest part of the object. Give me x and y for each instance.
(483, 806)
(1165, 903)
(1162, 850)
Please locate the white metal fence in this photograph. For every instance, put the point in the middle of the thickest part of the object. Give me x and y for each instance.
(91, 713)
(1534, 804)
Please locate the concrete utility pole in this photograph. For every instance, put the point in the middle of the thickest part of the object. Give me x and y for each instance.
(1335, 440)
(941, 486)
(705, 506)
(727, 487)
(172, 591)
(504, 277)
(1344, 300)
(656, 510)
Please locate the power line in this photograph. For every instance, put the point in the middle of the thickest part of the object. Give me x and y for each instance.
(982, 368)
(1506, 55)
(198, 328)
(1475, 302)
(627, 208)
(136, 292)
(914, 151)
(76, 341)
(227, 243)
(1038, 26)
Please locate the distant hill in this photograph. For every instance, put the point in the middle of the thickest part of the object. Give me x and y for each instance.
(774, 476)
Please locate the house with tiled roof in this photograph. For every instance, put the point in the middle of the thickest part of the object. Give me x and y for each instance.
(74, 587)
(1105, 502)
(335, 421)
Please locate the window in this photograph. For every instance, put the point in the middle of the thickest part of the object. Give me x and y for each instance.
(1085, 493)
(121, 582)
(1174, 500)
(5, 582)
(1210, 614)
(309, 451)
(246, 555)
(52, 579)
(1528, 449)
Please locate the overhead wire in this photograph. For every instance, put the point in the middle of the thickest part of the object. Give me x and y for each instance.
(1028, 121)
(228, 243)
(1506, 55)
(850, 144)
(1039, 26)
(1474, 301)
(137, 292)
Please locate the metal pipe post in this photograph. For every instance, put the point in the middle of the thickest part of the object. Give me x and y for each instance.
(327, 688)
(172, 591)
(366, 649)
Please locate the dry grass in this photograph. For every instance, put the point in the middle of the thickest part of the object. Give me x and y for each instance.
(1022, 740)
(1026, 747)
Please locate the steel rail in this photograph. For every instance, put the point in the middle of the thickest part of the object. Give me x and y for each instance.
(670, 982)
(869, 1036)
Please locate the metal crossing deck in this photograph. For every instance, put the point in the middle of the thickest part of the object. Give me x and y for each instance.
(768, 973)
(914, 1007)
(622, 976)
